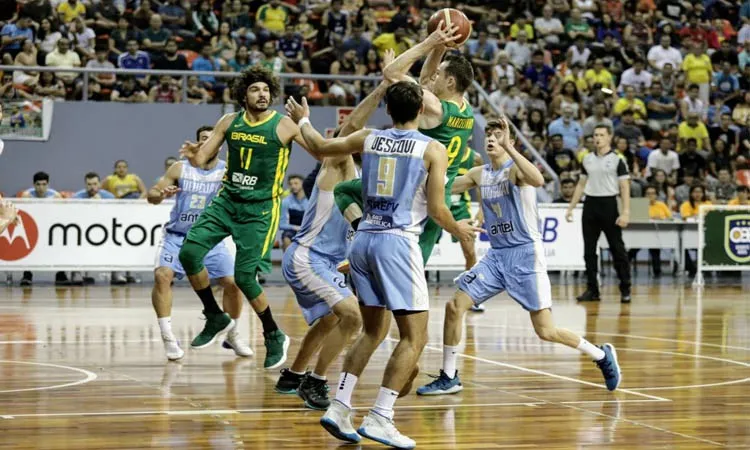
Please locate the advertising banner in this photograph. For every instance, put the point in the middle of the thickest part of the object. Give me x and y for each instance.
(123, 235)
(726, 238)
(563, 242)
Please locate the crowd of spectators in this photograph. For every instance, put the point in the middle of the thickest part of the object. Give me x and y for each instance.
(672, 77)
(311, 36)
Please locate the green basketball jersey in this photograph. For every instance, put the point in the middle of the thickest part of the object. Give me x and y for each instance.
(454, 132)
(466, 162)
(256, 159)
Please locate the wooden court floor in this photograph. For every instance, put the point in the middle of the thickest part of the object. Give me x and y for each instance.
(83, 368)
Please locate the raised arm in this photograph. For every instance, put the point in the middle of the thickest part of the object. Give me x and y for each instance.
(166, 186)
(396, 71)
(198, 154)
(431, 65)
(317, 144)
(361, 114)
(527, 173)
(437, 157)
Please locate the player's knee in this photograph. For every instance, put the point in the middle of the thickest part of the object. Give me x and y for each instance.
(248, 284)
(350, 320)
(420, 341)
(546, 333)
(191, 258)
(452, 309)
(163, 277)
(230, 286)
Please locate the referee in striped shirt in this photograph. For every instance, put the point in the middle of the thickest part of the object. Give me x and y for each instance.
(604, 175)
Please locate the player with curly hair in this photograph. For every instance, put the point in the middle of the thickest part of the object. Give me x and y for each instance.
(248, 205)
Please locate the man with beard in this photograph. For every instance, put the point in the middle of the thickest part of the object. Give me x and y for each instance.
(248, 207)
(171, 59)
(271, 60)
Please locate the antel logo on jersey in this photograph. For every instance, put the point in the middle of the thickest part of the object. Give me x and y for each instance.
(19, 240)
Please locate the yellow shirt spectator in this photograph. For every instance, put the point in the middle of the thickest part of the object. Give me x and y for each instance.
(698, 69)
(387, 41)
(736, 202)
(604, 78)
(636, 105)
(685, 131)
(514, 29)
(582, 154)
(687, 210)
(70, 10)
(124, 187)
(659, 211)
(581, 83)
(274, 19)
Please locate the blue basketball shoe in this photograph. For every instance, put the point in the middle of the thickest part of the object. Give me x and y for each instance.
(442, 385)
(610, 367)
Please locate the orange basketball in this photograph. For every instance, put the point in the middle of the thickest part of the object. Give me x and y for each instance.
(451, 17)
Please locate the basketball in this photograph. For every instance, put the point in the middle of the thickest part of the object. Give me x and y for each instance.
(451, 17)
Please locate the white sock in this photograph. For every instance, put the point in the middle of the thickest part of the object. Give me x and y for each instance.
(318, 377)
(450, 355)
(297, 373)
(384, 403)
(347, 382)
(165, 325)
(590, 349)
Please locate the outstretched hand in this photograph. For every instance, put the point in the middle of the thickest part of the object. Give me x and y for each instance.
(8, 212)
(444, 35)
(297, 111)
(505, 126)
(189, 151)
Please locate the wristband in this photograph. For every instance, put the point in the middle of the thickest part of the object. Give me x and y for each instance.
(304, 120)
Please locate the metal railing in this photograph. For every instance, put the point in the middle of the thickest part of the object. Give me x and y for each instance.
(486, 97)
(182, 74)
(284, 77)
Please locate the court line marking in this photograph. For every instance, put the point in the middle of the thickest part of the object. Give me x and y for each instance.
(203, 412)
(651, 427)
(549, 374)
(90, 376)
(677, 341)
(689, 355)
(616, 417)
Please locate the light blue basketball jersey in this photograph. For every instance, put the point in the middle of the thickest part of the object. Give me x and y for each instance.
(197, 188)
(49, 194)
(393, 181)
(324, 228)
(511, 217)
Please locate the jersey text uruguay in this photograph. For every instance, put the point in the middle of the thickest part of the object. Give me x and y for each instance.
(197, 188)
(393, 181)
(511, 217)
